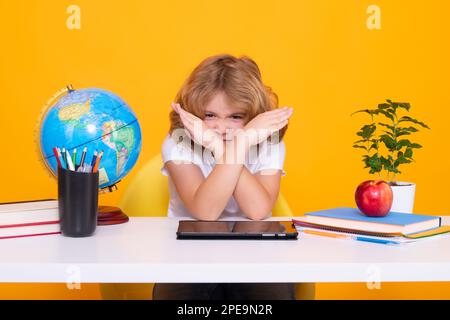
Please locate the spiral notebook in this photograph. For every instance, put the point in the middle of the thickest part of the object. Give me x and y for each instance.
(370, 237)
(352, 218)
(344, 223)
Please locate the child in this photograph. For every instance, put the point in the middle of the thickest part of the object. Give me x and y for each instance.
(229, 161)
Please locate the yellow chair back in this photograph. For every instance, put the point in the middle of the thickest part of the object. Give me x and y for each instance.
(147, 195)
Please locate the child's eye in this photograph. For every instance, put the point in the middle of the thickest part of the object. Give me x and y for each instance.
(209, 115)
(236, 117)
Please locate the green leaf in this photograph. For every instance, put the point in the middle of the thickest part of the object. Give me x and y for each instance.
(385, 162)
(402, 143)
(373, 146)
(383, 106)
(374, 162)
(393, 104)
(368, 111)
(401, 160)
(361, 147)
(389, 167)
(408, 153)
(409, 119)
(388, 142)
(410, 129)
(390, 134)
(367, 131)
(404, 105)
(392, 128)
(415, 145)
(388, 163)
(402, 133)
(387, 114)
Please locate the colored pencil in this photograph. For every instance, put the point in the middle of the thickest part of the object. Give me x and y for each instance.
(61, 160)
(69, 161)
(97, 162)
(83, 156)
(94, 157)
(74, 158)
(63, 153)
(344, 236)
(55, 152)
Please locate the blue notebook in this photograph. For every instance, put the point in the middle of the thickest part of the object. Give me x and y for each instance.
(352, 218)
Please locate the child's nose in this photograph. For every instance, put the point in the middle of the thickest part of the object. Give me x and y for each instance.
(220, 127)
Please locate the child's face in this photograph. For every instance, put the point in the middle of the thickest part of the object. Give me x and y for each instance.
(223, 117)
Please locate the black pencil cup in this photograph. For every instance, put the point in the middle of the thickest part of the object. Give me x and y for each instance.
(78, 202)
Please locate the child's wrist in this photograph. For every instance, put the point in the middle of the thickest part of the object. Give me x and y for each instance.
(231, 152)
(217, 148)
(235, 151)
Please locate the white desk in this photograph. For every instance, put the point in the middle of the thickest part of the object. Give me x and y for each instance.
(146, 250)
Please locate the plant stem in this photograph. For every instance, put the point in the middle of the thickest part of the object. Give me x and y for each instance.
(394, 122)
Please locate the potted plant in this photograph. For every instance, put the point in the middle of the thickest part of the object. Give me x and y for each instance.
(387, 148)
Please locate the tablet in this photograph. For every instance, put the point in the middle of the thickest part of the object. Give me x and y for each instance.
(260, 230)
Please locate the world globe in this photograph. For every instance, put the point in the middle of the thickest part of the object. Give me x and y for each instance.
(97, 120)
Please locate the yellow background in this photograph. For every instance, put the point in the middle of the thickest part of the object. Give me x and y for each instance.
(319, 56)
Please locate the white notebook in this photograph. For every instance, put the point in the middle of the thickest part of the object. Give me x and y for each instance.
(28, 205)
(12, 214)
(28, 231)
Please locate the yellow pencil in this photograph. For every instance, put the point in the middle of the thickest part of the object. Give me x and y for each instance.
(326, 234)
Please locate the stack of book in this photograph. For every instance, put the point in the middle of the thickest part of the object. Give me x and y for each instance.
(350, 223)
(41, 217)
(29, 218)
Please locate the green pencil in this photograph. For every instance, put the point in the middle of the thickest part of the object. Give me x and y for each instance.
(74, 158)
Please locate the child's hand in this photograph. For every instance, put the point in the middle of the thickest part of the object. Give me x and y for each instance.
(198, 131)
(265, 124)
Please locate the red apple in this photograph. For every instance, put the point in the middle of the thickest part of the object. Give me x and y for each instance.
(374, 198)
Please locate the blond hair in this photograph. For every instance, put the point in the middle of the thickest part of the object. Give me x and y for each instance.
(238, 78)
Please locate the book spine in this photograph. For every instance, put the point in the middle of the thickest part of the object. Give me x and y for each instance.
(29, 224)
(28, 205)
(339, 229)
(27, 209)
(27, 201)
(30, 235)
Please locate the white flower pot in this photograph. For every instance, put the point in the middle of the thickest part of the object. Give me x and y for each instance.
(403, 197)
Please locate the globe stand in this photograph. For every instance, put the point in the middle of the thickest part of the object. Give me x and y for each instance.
(108, 189)
(109, 215)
